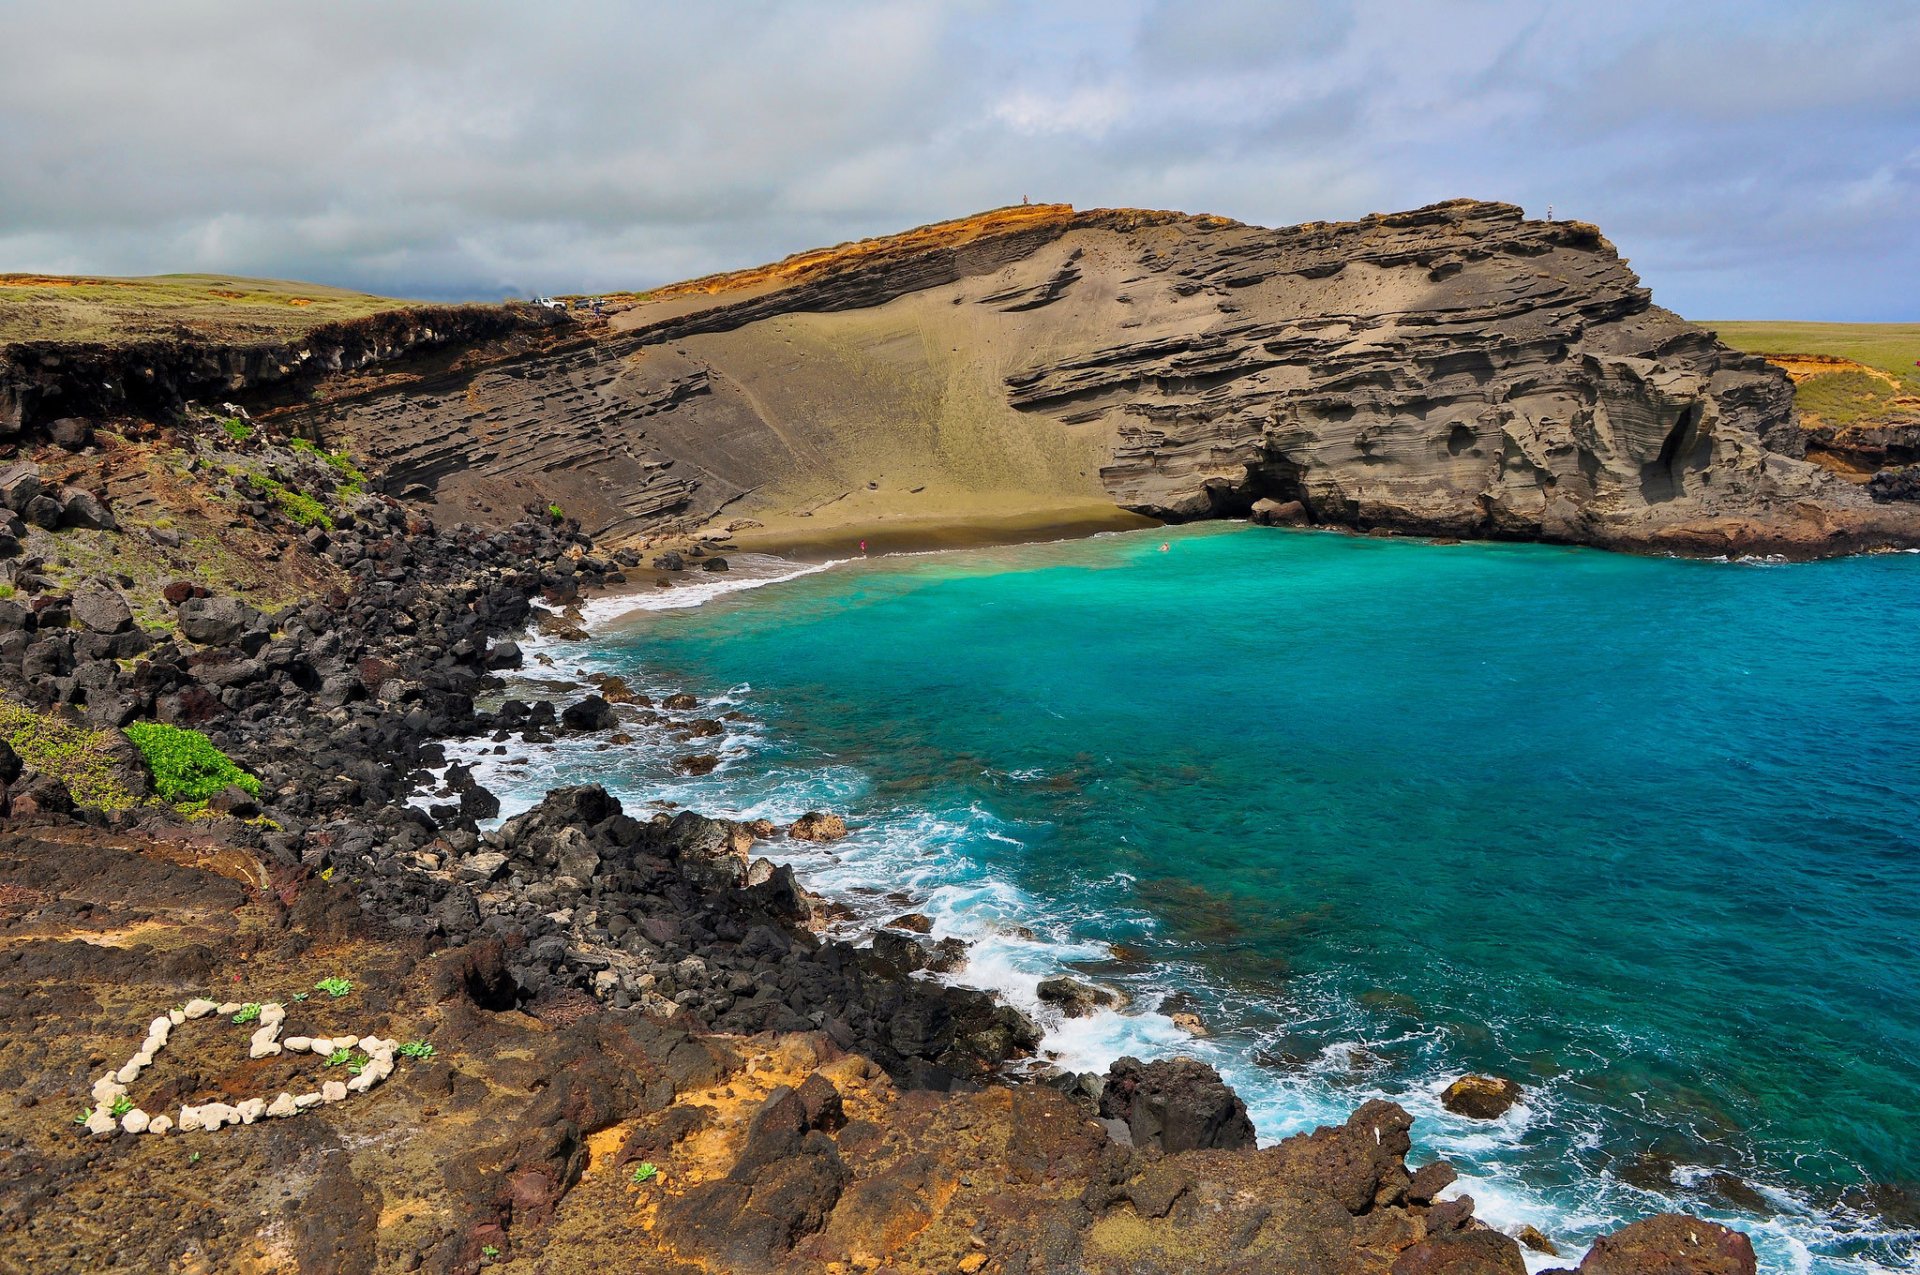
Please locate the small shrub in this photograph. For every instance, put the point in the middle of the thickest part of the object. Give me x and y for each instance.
(249, 1013)
(645, 1172)
(185, 764)
(299, 996)
(236, 429)
(489, 1252)
(335, 987)
(6, 590)
(121, 1106)
(194, 1158)
(553, 512)
(339, 1058)
(86, 1114)
(417, 1049)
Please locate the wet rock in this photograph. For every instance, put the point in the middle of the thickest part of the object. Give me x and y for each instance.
(1480, 1097)
(1075, 999)
(816, 826)
(1671, 1244)
(1280, 513)
(1175, 1104)
(680, 701)
(714, 564)
(504, 654)
(915, 922)
(670, 561)
(1534, 1238)
(590, 714)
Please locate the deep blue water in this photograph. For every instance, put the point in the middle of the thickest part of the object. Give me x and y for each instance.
(1642, 834)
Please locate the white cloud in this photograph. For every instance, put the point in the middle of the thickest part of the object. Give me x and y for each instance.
(1737, 150)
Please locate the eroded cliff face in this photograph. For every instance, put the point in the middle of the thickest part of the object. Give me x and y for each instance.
(1456, 370)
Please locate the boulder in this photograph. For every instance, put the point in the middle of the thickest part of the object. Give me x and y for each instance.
(19, 484)
(712, 852)
(43, 511)
(1280, 513)
(815, 826)
(71, 432)
(1175, 1104)
(504, 655)
(591, 713)
(1671, 1244)
(669, 561)
(81, 508)
(102, 610)
(215, 621)
(714, 564)
(1360, 1163)
(1462, 1253)
(1480, 1097)
(1074, 998)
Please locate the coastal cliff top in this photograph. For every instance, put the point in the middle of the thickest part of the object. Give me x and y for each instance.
(210, 307)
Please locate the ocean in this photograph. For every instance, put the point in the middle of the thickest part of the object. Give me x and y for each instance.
(1641, 834)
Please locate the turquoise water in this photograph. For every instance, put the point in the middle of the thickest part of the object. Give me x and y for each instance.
(1642, 834)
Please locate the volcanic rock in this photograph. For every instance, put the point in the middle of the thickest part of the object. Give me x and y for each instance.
(1175, 1104)
(1480, 1097)
(1671, 1244)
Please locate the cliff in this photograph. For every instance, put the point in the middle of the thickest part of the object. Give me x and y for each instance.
(1456, 370)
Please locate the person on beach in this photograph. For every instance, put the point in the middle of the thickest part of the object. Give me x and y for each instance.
(863, 548)
(1165, 545)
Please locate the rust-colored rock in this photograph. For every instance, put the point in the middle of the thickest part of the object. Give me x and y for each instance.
(1671, 1244)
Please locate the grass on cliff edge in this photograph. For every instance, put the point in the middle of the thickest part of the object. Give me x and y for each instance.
(1840, 397)
(37, 307)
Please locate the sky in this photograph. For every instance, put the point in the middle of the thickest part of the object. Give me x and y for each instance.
(1752, 159)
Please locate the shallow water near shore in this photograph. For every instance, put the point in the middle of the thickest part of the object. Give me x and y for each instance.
(1639, 833)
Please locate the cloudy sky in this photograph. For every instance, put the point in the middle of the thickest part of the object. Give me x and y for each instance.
(1753, 159)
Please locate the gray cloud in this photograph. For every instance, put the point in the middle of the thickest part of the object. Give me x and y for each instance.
(1753, 159)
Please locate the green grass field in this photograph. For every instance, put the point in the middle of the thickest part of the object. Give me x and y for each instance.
(1841, 397)
(215, 307)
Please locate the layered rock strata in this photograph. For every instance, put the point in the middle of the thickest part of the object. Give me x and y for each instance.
(1456, 370)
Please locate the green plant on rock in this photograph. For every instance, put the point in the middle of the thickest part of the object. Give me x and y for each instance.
(645, 1172)
(489, 1252)
(335, 987)
(81, 758)
(358, 1065)
(352, 480)
(121, 1106)
(185, 765)
(296, 505)
(86, 1114)
(554, 512)
(417, 1049)
(249, 1013)
(339, 1058)
(236, 429)
(299, 996)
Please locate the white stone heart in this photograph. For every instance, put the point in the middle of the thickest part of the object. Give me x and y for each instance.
(264, 1042)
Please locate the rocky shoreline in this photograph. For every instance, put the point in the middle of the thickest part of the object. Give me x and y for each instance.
(641, 1047)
